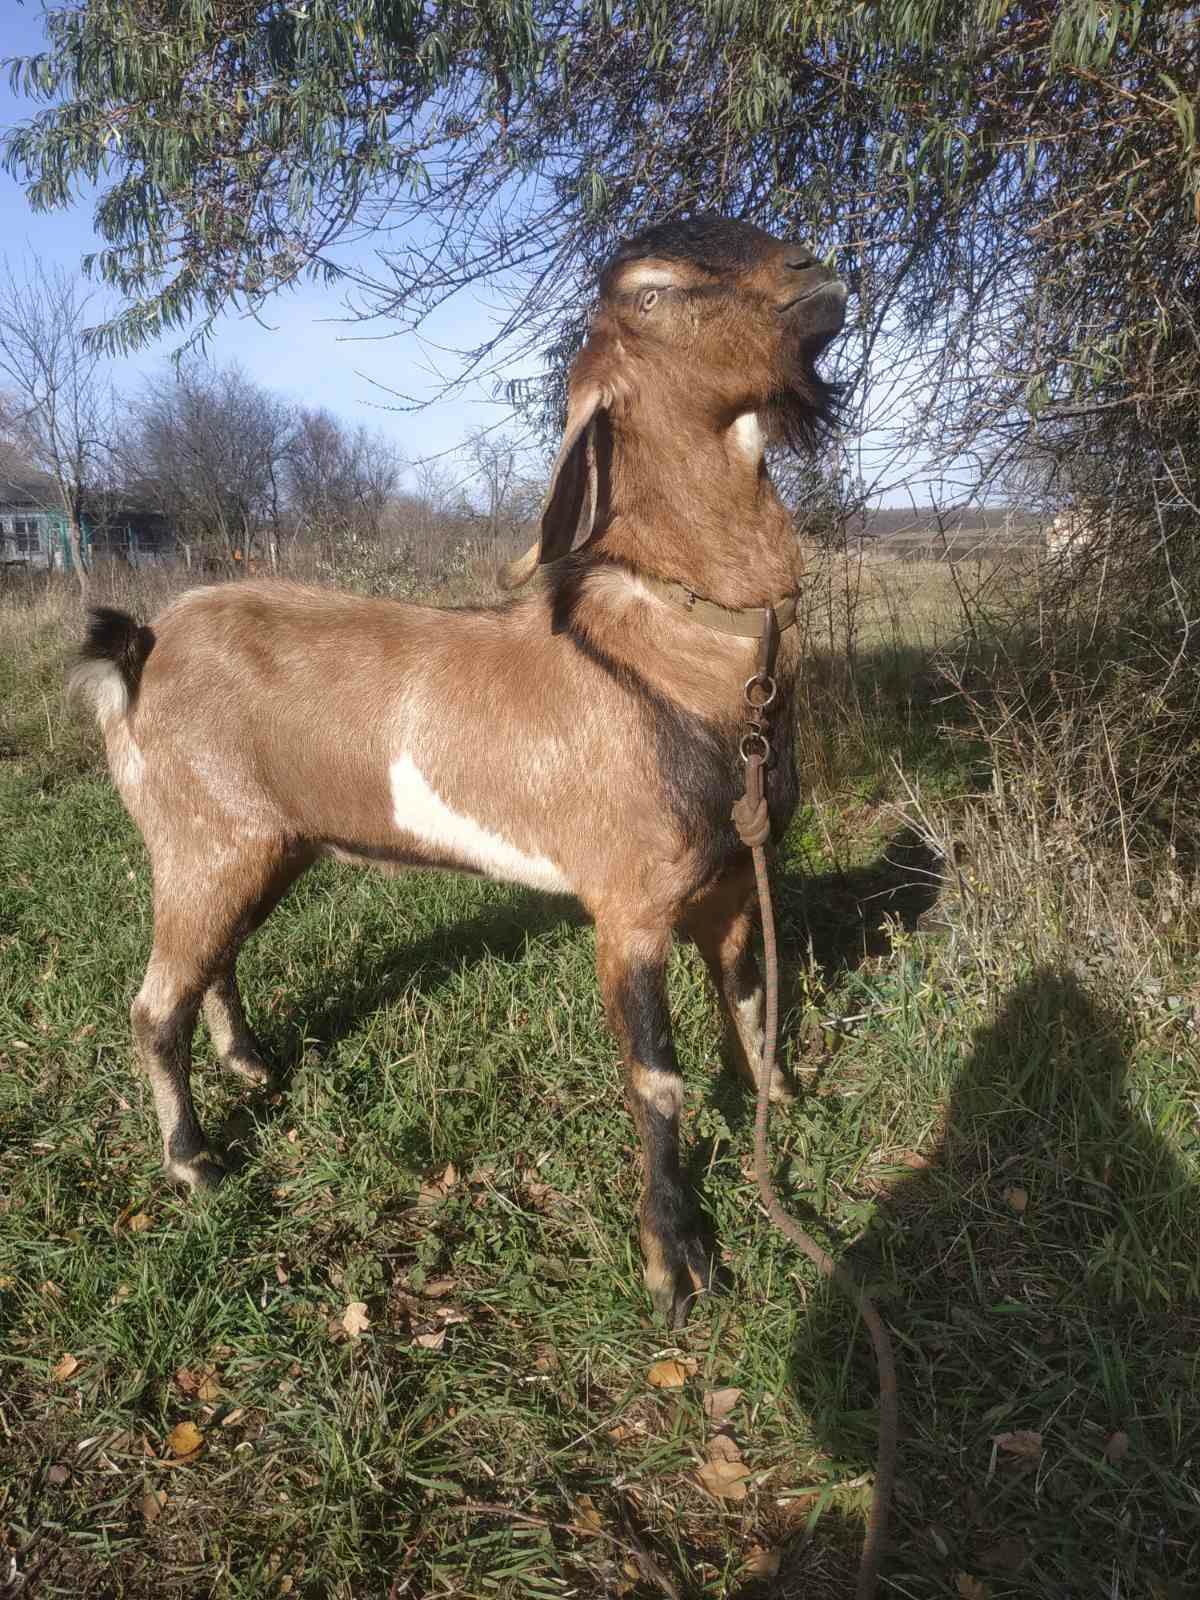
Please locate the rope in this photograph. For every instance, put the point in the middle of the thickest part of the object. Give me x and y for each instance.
(885, 1471)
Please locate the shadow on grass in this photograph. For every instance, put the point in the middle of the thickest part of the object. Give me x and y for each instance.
(837, 920)
(336, 1005)
(1040, 1278)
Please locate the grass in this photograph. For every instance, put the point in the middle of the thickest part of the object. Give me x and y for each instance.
(999, 1129)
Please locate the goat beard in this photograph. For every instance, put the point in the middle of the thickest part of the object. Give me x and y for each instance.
(803, 413)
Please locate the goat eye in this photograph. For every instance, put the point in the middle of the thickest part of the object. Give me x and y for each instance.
(648, 300)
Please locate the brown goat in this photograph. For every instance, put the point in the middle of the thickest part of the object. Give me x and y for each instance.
(583, 738)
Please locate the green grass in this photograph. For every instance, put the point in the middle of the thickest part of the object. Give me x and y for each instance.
(1040, 1273)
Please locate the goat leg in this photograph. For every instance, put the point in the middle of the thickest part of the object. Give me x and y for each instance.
(632, 969)
(231, 1036)
(722, 927)
(164, 1018)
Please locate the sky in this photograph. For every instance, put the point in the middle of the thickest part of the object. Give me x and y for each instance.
(297, 348)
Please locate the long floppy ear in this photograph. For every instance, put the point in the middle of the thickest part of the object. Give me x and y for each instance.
(569, 509)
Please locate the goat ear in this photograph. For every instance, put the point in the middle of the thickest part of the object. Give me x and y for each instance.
(569, 509)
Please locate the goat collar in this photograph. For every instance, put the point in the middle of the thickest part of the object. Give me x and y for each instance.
(748, 623)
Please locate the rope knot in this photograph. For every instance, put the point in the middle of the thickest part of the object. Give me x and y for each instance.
(752, 818)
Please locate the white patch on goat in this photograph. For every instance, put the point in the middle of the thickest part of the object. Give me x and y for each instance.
(747, 436)
(748, 1017)
(662, 1090)
(647, 275)
(419, 810)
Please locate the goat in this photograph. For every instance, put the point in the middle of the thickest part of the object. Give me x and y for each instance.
(582, 737)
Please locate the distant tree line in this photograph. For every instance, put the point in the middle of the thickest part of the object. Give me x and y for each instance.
(242, 476)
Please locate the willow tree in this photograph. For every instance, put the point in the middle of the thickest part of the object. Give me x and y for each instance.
(1013, 188)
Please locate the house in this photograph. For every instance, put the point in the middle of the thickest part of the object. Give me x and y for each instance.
(33, 528)
(32, 532)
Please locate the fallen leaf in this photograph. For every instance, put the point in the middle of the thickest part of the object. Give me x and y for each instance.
(1117, 1447)
(355, 1319)
(233, 1416)
(139, 1222)
(209, 1386)
(450, 1176)
(58, 1474)
(437, 1287)
(586, 1515)
(65, 1368)
(152, 1505)
(913, 1159)
(718, 1403)
(1017, 1198)
(1023, 1443)
(970, 1588)
(433, 1340)
(724, 1474)
(762, 1563)
(667, 1375)
(184, 1439)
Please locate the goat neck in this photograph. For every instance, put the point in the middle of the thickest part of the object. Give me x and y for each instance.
(695, 505)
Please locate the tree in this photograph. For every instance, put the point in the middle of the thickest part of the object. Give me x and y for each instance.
(340, 481)
(1011, 185)
(210, 447)
(507, 498)
(59, 410)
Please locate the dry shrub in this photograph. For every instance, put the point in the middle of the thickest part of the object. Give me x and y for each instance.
(1090, 698)
(1081, 852)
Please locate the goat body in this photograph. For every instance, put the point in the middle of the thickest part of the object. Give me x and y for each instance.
(581, 739)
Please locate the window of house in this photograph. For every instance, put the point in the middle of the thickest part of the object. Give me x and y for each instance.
(25, 535)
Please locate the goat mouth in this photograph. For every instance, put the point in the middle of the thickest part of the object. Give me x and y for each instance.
(831, 287)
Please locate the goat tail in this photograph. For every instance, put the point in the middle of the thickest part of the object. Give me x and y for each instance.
(108, 668)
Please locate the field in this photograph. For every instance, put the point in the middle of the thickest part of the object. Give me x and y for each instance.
(419, 1296)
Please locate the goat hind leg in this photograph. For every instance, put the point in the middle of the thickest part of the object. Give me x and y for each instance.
(722, 927)
(196, 938)
(164, 1019)
(632, 970)
(231, 1036)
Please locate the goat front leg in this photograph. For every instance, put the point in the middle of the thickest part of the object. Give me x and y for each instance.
(632, 970)
(722, 927)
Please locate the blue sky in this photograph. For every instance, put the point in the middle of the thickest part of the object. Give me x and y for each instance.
(298, 347)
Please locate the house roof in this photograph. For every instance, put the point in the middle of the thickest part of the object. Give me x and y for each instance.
(28, 493)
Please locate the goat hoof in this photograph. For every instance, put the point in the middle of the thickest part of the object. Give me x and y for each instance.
(254, 1070)
(685, 1273)
(202, 1172)
(782, 1093)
